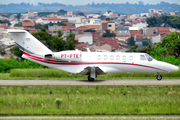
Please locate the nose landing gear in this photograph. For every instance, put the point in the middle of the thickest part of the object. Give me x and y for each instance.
(159, 77)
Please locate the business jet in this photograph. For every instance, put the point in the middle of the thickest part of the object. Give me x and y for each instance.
(88, 63)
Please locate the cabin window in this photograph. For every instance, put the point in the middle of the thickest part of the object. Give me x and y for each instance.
(148, 57)
(105, 57)
(117, 57)
(111, 57)
(124, 57)
(131, 57)
(99, 57)
(142, 57)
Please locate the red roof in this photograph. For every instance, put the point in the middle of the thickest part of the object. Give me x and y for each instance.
(108, 40)
(120, 25)
(136, 33)
(3, 24)
(82, 28)
(26, 24)
(162, 30)
(81, 46)
(96, 34)
(93, 26)
(53, 18)
(139, 37)
(130, 24)
(68, 27)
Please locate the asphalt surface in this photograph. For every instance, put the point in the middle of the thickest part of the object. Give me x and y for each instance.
(150, 82)
(93, 117)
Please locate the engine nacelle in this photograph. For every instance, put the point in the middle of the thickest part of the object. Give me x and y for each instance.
(65, 55)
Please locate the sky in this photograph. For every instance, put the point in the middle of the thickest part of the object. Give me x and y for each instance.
(84, 2)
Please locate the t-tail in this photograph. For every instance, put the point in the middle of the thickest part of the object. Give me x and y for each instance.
(28, 43)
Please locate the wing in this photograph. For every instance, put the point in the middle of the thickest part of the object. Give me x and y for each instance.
(87, 70)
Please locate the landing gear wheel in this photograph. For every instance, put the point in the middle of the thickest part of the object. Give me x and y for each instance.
(159, 77)
(90, 79)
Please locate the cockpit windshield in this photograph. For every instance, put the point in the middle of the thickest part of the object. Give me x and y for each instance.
(148, 57)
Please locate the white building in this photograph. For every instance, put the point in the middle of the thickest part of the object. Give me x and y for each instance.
(85, 38)
(140, 25)
(108, 13)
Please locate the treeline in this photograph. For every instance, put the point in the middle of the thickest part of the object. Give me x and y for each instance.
(56, 43)
(127, 7)
(7, 64)
(168, 50)
(5, 21)
(164, 21)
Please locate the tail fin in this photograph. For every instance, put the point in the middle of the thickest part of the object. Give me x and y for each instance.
(28, 43)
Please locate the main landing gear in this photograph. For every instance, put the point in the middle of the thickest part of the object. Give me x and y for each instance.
(92, 75)
(159, 77)
(90, 78)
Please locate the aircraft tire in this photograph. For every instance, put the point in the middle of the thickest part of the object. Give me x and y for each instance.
(90, 79)
(159, 77)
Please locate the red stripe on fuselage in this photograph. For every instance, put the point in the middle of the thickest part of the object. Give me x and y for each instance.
(40, 59)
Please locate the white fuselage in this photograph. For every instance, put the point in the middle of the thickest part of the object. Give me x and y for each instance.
(109, 62)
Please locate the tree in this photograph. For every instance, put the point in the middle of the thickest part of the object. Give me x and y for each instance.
(81, 13)
(62, 12)
(102, 17)
(38, 26)
(2, 52)
(56, 43)
(171, 43)
(5, 21)
(18, 16)
(175, 21)
(164, 21)
(51, 24)
(16, 51)
(19, 24)
(169, 46)
(131, 41)
(109, 34)
(145, 42)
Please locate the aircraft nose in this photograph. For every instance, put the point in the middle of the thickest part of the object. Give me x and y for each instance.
(173, 68)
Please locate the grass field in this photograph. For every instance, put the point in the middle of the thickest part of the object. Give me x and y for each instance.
(93, 118)
(61, 75)
(122, 100)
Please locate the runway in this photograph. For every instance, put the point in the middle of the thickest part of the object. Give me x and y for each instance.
(149, 82)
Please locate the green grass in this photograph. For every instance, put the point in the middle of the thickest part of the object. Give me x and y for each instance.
(122, 100)
(93, 118)
(58, 74)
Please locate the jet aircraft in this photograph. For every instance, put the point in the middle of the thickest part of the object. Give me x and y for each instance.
(88, 63)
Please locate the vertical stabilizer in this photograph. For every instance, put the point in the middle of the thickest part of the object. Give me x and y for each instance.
(28, 43)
